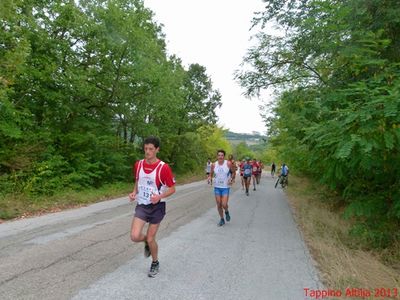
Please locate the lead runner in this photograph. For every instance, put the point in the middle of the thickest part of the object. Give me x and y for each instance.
(154, 182)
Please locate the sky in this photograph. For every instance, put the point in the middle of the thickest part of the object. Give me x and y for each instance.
(215, 34)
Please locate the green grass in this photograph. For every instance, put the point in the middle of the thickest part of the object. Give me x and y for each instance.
(21, 205)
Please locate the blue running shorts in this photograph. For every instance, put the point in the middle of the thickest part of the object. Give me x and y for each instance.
(221, 191)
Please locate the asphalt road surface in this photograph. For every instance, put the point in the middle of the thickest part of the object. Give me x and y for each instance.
(87, 253)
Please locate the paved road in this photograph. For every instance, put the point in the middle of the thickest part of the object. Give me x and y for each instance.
(87, 253)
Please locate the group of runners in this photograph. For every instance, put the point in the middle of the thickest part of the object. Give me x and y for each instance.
(250, 171)
(154, 181)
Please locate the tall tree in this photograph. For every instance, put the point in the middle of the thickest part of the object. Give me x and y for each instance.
(81, 84)
(337, 114)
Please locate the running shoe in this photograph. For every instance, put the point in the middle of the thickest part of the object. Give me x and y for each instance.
(227, 216)
(147, 252)
(221, 222)
(154, 268)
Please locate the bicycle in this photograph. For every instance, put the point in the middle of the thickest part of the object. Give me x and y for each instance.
(282, 180)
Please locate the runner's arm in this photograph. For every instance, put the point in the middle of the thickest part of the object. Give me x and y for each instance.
(157, 197)
(132, 196)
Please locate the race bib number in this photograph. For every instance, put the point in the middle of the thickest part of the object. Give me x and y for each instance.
(145, 193)
(220, 182)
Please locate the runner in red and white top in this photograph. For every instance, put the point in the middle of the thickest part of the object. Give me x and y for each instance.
(260, 168)
(154, 178)
(254, 173)
(154, 182)
(241, 172)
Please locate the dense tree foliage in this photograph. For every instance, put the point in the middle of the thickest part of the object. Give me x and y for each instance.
(336, 68)
(81, 84)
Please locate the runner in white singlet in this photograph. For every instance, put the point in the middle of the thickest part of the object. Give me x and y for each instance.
(223, 173)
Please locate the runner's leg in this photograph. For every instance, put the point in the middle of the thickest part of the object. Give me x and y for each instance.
(224, 204)
(136, 230)
(247, 184)
(151, 234)
(218, 200)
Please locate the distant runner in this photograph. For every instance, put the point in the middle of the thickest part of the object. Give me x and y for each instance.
(273, 169)
(247, 170)
(254, 172)
(208, 171)
(259, 171)
(233, 166)
(241, 172)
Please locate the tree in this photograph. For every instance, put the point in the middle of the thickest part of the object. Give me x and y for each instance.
(242, 150)
(81, 84)
(337, 113)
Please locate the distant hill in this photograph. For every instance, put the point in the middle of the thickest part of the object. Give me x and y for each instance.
(249, 139)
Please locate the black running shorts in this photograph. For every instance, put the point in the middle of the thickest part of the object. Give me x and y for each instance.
(152, 213)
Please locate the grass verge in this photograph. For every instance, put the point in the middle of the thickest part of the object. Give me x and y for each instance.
(341, 260)
(19, 206)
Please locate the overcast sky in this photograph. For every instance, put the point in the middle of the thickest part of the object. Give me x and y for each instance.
(215, 34)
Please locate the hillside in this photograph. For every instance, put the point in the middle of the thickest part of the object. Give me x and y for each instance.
(250, 139)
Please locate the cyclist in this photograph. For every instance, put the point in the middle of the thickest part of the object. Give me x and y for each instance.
(284, 173)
